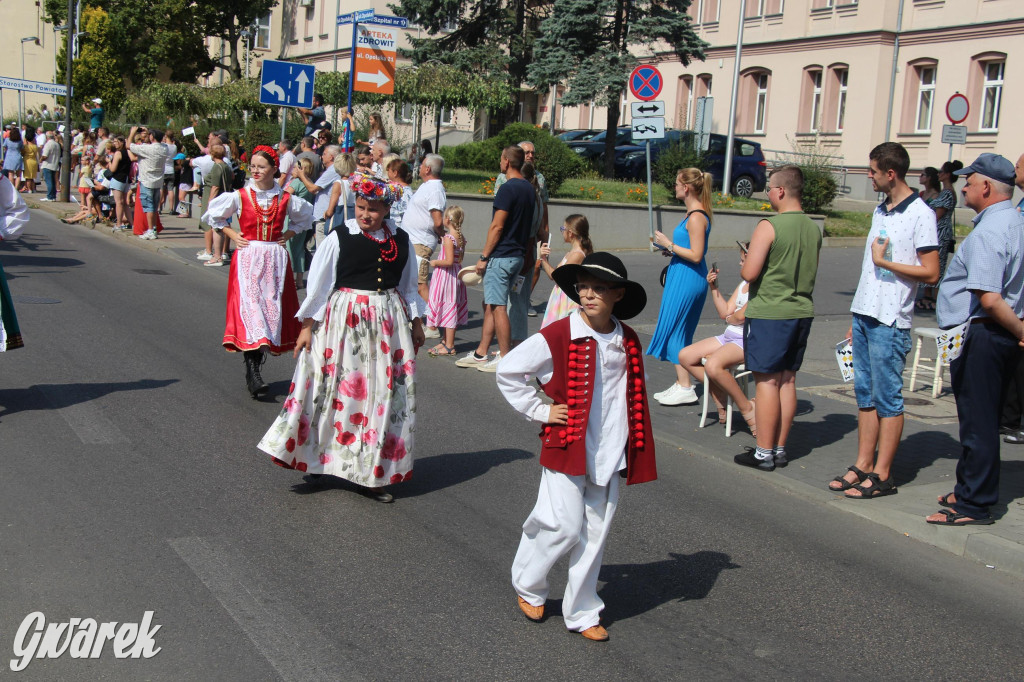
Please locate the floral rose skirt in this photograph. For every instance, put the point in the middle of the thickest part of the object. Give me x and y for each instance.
(350, 410)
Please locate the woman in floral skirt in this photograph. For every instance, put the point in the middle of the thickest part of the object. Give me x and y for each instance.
(351, 407)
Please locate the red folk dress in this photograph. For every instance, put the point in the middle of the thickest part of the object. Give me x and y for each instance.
(262, 301)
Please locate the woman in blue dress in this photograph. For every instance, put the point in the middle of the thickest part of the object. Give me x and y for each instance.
(686, 284)
(13, 163)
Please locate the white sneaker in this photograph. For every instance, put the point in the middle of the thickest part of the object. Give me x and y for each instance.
(491, 365)
(431, 333)
(148, 234)
(204, 255)
(662, 394)
(680, 395)
(470, 360)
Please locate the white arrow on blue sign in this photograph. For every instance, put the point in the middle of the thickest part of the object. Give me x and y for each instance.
(361, 16)
(287, 84)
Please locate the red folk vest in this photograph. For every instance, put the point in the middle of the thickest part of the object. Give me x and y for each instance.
(575, 364)
(251, 227)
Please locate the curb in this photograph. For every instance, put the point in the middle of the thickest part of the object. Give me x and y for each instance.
(984, 547)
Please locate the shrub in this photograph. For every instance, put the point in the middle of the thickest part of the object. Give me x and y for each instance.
(555, 160)
(671, 161)
(819, 188)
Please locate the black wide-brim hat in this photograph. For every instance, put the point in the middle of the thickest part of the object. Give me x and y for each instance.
(607, 268)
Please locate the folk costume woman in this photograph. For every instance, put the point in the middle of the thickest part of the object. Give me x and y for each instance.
(14, 216)
(350, 411)
(262, 301)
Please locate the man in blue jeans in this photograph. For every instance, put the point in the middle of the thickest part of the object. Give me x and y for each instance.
(502, 258)
(49, 158)
(901, 251)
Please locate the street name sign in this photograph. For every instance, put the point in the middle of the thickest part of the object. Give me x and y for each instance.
(287, 84)
(645, 82)
(361, 15)
(33, 86)
(646, 109)
(954, 134)
(367, 16)
(649, 128)
(375, 60)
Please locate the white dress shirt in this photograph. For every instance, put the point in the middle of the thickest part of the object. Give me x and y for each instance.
(607, 426)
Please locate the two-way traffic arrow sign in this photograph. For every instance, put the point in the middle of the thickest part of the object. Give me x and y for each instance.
(647, 109)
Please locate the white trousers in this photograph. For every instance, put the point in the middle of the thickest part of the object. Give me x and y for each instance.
(573, 515)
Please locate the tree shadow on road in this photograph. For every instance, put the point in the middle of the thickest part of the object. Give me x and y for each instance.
(633, 589)
(58, 396)
(430, 474)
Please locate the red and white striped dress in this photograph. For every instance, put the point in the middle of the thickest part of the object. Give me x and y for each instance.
(447, 305)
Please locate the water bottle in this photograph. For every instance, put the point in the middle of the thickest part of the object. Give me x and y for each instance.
(884, 274)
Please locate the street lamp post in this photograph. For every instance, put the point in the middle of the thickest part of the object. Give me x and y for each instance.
(245, 33)
(55, 30)
(21, 94)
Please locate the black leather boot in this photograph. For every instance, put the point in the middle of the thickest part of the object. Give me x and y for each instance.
(253, 381)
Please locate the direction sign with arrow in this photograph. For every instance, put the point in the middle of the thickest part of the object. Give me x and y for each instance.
(647, 109)
(287, 84)
(375, 60)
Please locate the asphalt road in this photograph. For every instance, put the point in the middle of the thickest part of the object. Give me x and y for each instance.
(131, 482)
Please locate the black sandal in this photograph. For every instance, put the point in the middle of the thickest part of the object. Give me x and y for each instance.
(945, 501)
(879, 488)
(846, 484)
(953, 518)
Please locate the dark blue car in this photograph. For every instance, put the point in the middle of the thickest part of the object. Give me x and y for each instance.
(593, 148)
(748, 164)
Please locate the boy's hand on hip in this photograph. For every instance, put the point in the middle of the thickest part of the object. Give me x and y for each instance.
(558, 414)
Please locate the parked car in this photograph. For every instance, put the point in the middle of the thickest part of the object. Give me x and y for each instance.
(593, 149)
(581, 135)
(748, 164)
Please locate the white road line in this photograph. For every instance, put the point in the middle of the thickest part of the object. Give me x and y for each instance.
(280, 633)
(86, 418)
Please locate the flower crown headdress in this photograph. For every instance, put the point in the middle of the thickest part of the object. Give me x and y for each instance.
(269, 151)
(374, 189)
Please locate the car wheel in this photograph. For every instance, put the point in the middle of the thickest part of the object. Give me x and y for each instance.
(744, 186)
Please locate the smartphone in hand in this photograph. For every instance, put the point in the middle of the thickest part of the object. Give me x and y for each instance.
(714, 267)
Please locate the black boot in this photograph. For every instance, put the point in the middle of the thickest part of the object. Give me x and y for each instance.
(253, 381)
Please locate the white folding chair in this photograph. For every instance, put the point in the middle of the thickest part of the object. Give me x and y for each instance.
(742, 376)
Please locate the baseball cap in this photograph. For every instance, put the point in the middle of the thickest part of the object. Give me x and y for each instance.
(992, 166)
(178, 157)
(97, 100)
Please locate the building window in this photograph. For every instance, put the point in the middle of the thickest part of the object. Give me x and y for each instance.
(761, 104)
(925, 99)
(841, 77)
(684, 102)
(815, 121)
(822, 4)
(991, 95)
(405, 113)
(704, 85)
(447, 116)
(754, 8)
(704, 11)
(263, 32)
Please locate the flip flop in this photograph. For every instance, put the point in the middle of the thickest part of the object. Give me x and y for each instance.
(953, 518)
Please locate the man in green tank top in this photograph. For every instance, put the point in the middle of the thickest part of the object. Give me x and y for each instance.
(781, 267)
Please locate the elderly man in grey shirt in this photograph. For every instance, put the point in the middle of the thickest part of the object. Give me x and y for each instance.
(152, 157)
(982, 288)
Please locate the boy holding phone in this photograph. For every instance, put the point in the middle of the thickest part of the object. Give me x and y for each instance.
(781, 266)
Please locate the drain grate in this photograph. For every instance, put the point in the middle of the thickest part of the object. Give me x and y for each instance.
(35, 299)
(151, 272)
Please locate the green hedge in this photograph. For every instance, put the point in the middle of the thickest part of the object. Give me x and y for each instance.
(554, 159)
(671, 161)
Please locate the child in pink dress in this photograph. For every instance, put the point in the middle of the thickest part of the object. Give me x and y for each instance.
(447, 306)
(575, 231)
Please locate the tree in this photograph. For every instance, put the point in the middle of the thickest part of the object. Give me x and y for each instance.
(592, 45)
(95, 73)
(225, 19)
(492, 38)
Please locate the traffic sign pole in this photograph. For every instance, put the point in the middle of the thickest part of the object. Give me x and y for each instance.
(650, 200)
(352, 63)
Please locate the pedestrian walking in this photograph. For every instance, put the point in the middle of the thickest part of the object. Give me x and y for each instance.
(447, 305)
(597, 428)
(901, 251)
(983, 287)
(781, 266)
(261, 300)
(351, 407)
(14, 215)
(575, 231)
(686, 284)
(13, 161)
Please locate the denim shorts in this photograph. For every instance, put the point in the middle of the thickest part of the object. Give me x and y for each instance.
(150, 199)
(879, 356)
(771, 346)
(499, 277)
(117, 186)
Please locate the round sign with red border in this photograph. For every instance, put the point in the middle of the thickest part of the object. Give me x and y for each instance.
(957, 108)
(645, 82)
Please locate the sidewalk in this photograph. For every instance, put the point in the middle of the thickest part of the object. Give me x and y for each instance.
(822, 444)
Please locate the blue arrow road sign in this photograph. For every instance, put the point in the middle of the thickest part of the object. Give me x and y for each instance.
(287, 84)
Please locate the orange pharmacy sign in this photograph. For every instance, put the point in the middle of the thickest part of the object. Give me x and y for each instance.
(375, 60)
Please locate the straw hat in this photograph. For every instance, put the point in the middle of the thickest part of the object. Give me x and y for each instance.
(469, 277)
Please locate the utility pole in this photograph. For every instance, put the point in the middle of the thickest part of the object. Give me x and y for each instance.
(65, 166)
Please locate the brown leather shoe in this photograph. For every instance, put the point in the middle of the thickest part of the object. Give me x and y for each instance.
(595, 634)
(534, 613)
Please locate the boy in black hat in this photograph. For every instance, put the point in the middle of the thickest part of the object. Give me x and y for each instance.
(591, 366)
